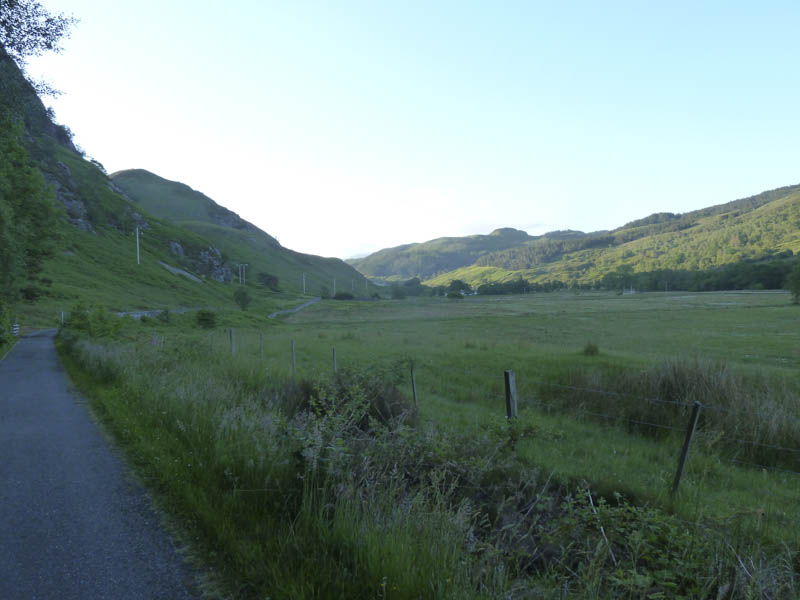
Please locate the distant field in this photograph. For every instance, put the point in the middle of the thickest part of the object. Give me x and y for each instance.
(750, 329)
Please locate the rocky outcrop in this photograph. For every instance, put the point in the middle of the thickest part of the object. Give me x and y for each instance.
(209, 263)
(66, 192)
(176, 249)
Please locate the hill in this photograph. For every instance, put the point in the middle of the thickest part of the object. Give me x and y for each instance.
(427, 259)
(69, 232)
(752, 228)
(238, 240)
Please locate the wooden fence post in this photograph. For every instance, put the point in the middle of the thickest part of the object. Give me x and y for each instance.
(686, 442)
(294, 363)
(511, 395)
(414, 386)
(334, 360)
(233, 343)
(261, 346)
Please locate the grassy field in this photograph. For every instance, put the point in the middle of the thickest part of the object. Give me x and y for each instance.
(609, 424)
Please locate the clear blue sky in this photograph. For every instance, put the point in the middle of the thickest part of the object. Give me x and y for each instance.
(346, 127)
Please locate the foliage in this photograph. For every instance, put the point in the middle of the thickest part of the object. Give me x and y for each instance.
(268, 280)
(455, 295)
(396, 292)
(164, 316)
(242, 297)
(591, 349)
(207, 319)
(458, 286)
(306, 489)
(343, 296)
(5, 325)
(26, 216)
(793, 282)
(28, 29)
(94, 321)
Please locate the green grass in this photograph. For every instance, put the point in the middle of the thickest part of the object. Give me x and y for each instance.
(223, 440)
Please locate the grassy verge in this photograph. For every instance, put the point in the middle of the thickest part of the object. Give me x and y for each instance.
(335, 487)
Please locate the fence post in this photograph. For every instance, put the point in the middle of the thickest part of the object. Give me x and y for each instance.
(15, 329)
(233, 343)
(334, 360)
(294, 363)
(685, 450)
(261, 345)
(511, 395)
(414, 386)
(155, 337)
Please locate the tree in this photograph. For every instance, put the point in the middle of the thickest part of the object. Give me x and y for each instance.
(26, 214)
(28, 29)
(793, 282)
(456, 285)
(268, 281)
(242, 297)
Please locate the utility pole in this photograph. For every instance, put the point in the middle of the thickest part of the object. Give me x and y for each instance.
(304, 284)
(137, 245)
(334, 286)
(244, 273)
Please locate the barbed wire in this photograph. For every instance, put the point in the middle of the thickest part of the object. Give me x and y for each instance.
(764, 467)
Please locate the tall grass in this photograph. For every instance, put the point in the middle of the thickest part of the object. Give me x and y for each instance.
(746, 416)
(329, 487)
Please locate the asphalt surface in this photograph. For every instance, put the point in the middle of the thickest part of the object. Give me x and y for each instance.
(289, 311)
(73, 525)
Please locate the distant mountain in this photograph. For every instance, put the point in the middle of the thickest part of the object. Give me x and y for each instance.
(427, 259)
(751, 228)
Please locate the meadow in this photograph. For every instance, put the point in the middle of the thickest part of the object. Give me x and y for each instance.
(342, 474)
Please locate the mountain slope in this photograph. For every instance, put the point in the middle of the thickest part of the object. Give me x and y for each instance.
(91, 249)
(427, 259)
(239, 241)
(747, 229)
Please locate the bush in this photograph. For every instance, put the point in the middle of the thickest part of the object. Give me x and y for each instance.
(5, 326)
(343, 296)
(206, 319)
(163, 316)
(591, 349)
(242, 297)
(455, 295)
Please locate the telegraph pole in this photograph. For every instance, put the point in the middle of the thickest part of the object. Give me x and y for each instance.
(304, 284)
(334, 286)
(137, 245)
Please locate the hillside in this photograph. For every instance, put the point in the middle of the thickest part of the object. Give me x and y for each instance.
(238, 240)
(427, 259)
(747, 229)
(84, 244)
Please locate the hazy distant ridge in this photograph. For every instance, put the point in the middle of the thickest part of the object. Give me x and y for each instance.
(746, 229)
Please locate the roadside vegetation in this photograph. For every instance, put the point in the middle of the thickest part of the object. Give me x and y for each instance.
(337, 485)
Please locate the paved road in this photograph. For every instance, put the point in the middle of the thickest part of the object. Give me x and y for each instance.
(294, 310)
(72, 524)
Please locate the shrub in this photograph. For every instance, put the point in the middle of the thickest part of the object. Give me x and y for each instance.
(242, 297)
(343, 296)
(206, 319)
(591, 349)
(163, 316)
(5, 326)
(455, 295)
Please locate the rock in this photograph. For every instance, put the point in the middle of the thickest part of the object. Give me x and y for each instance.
(176, 249)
